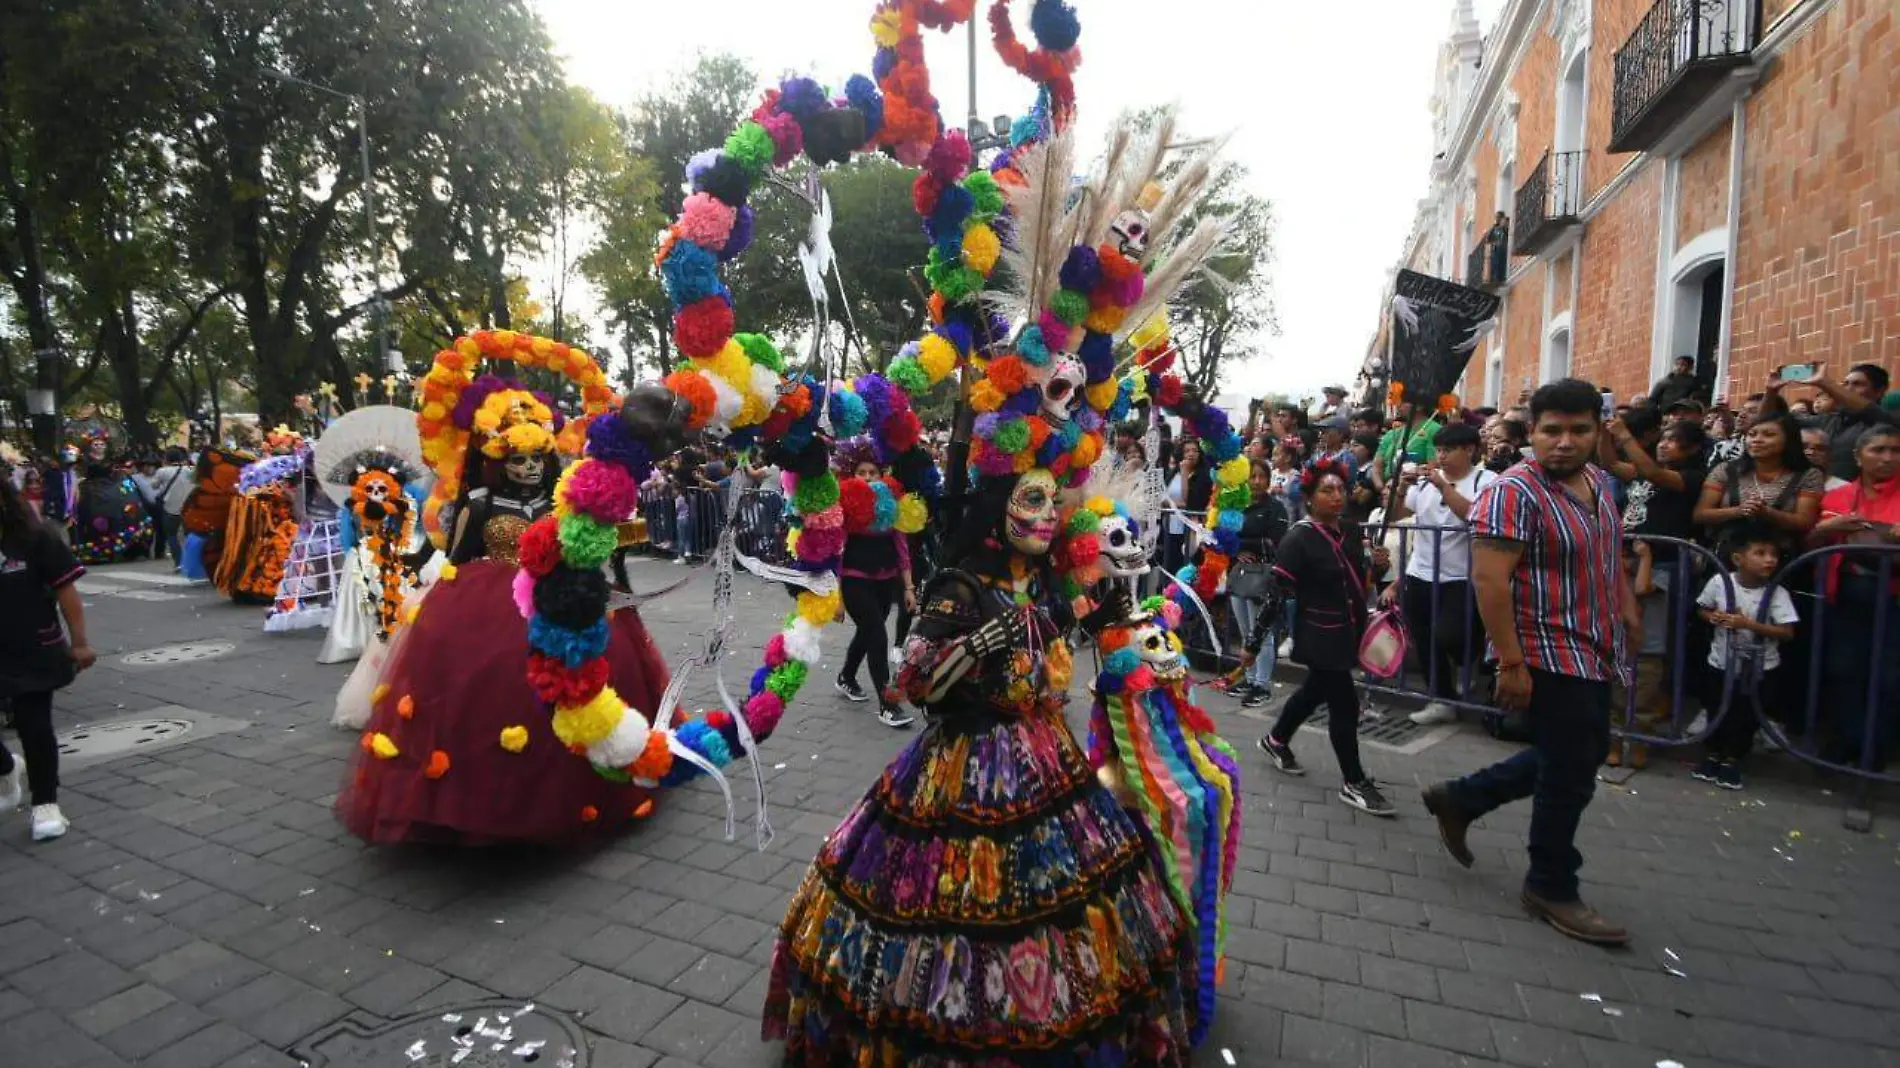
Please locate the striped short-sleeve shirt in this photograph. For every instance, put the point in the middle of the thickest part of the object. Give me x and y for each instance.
(1566, 591)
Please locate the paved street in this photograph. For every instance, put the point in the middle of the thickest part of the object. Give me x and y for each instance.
(206, 909)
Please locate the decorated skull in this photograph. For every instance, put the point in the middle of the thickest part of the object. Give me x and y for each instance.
(1160, 649)
(1129, 230)
(1123, 555)
(1062, 390)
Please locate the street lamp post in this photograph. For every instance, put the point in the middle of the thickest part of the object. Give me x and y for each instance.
(379, 307)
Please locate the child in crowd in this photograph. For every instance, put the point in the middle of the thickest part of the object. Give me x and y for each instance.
(1284, 480)
(1748, 637)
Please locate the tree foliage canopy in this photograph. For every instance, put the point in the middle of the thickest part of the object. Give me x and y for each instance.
(184, 214)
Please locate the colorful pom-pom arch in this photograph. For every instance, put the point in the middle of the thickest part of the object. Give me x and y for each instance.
(736, 384)
(445, 442)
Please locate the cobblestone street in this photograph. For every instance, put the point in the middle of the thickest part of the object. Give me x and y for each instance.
(206, 909)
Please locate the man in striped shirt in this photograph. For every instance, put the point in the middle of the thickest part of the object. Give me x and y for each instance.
(1551, 591)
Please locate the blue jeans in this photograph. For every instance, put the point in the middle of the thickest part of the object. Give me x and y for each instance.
(1247, 614)
(1569, 721)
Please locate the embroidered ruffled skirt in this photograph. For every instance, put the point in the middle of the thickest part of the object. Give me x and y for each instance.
(988, 902)
(469, 754)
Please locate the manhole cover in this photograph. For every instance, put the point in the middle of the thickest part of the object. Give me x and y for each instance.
(181, 653)
(481, 1034)
(151, 595)
(126, 736)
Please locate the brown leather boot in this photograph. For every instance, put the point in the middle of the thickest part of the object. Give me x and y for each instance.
(1452, 823)
(1576, 919)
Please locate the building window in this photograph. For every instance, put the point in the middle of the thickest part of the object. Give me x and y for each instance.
(1557, 355)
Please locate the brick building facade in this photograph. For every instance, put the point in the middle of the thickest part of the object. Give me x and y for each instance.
(1717, 178)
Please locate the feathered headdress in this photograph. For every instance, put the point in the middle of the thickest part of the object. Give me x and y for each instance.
(377, 437)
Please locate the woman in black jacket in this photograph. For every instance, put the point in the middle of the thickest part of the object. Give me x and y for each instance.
(1249, 582)
(1322, 566)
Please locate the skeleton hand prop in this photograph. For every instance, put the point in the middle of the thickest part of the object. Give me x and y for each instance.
(1004, 632)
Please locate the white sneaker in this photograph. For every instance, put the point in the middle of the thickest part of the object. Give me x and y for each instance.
(1286, 649)
(48, 822)
(1699, 724)
(1433, 714)
(10, 793)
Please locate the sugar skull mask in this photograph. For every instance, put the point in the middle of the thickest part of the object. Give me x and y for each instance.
(1160, 649)
(1062, 389)
(1030, 523)
(1122, 553)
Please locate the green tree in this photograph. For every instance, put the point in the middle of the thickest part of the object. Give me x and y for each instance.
(451, 89)
(880, 252)
(664, 129)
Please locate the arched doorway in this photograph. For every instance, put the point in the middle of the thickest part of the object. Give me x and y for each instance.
(1696, 319)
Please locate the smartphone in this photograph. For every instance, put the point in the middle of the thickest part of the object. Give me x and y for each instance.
(1798, 372)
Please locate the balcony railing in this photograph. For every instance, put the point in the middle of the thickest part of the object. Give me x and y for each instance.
(1672, 62)
(1490, 259)
(1548, 201)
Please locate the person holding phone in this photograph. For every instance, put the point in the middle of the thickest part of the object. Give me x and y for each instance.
(1855, 407)
(37, 656)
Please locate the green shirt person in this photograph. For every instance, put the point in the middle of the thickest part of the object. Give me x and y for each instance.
(1411, 441)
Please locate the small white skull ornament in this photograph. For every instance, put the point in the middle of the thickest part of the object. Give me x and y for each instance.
(1130, 232)
(1123, 555)
(1160, 649)
(1062, 390)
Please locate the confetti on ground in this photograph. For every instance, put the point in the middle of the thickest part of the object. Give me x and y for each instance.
(1227, 1055)
(1598, 998)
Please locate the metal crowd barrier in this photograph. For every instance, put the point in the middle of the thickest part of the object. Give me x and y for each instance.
(1847, 718)
(686, 523)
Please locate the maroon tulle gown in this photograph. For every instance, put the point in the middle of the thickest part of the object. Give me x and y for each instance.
(456, 682)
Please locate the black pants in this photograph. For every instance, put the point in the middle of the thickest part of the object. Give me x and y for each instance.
(868, 602)
(1336, 691)
(1734, 736)
(1569, 720)
(33, 719)
(1444, 641)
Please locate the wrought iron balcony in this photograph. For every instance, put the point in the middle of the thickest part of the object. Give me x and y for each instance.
(1490, 260)
(1547, 202)
(1673, 61)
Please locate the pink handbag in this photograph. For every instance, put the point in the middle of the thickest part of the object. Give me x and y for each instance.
(1382, 648)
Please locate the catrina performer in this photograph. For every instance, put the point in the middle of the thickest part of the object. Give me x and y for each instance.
(989, 900)
(110, 522)
(364, 462)
(459, 746)
(208, 510)
(261, 530)
(1156, 749)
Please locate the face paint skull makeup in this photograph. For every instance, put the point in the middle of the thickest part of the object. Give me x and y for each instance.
(1123, 555)
(1031, 521)
(526, 469)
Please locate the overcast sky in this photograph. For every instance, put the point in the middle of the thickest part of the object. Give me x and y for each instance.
(1327, 103)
